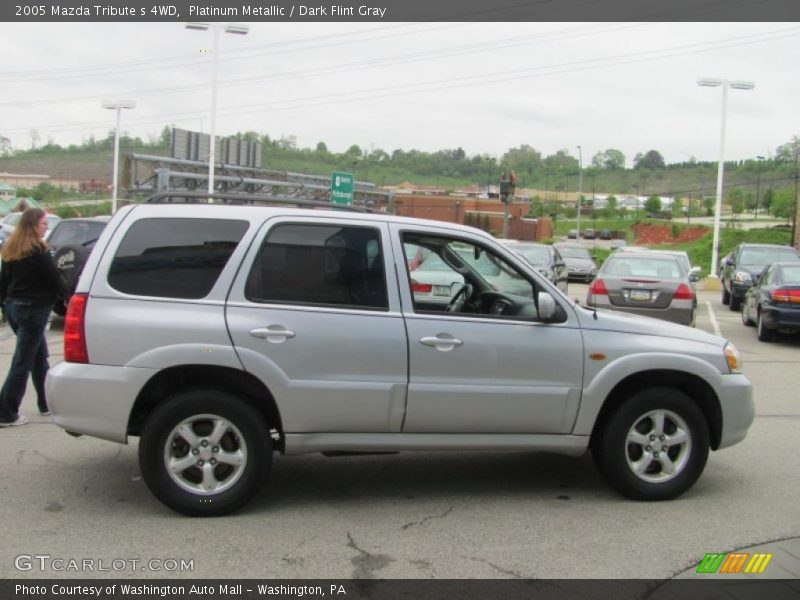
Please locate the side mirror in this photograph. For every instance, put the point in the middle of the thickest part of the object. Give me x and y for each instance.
(728, 262)
(547, 307)
(559, 264)
(694, 274)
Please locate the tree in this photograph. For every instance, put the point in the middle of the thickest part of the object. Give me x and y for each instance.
(609, 159)
(611, 207)
(653, 205)
(166, 136)
(677, 207)
(736, 200)
(322, 148)
(524, 159)
(766, 200)
(652, 159)
(708, 204)
(5, 146)
(786, 152)
(783, 204)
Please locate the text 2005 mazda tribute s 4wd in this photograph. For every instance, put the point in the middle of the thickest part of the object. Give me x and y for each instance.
(219, 334)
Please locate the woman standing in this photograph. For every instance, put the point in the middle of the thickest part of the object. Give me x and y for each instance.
(29, 286)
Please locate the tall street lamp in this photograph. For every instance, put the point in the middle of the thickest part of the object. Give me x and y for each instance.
(117, 105)
(758, 183)
(229, 28)
(725, 84)
(580, 188)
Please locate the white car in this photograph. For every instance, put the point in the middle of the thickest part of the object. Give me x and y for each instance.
(9, 222)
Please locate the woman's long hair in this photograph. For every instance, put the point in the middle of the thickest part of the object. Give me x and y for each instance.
(25, 239)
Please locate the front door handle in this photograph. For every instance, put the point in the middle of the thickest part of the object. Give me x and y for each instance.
(274, 334)
(442, 342)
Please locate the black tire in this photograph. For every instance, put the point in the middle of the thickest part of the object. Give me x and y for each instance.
(747, 321)
(60, 308)
(764, 334)
(616, 455)
(736, 303)
(70, 260)
(245, 440)
(726, 296)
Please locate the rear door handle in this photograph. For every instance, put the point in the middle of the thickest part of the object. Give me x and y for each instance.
(444, 344)
(274, 334)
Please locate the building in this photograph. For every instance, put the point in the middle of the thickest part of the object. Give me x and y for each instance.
(7, 192)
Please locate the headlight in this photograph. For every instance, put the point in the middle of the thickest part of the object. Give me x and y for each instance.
(733, 358)
(742, 277)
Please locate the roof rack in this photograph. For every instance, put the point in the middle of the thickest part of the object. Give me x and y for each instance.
(180, 197)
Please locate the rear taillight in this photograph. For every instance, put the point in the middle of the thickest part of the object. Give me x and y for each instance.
(421, 287)
(75, 330)
(598, 287)
(786, 295)
(684, 292)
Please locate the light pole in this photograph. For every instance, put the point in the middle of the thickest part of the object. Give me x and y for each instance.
(580, 188)
(229, 28)
(758, 184)
(116, 105)
(725, 84)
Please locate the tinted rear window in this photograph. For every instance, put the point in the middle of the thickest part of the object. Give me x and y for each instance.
(174, 258)
(79, 233)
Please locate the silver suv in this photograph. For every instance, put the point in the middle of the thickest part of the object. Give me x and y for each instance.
(219, 334)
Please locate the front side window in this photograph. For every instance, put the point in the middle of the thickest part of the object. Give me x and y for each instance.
(458, 277)
(174, 258)
(329, 265)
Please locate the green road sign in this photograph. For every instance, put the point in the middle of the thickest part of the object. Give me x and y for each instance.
(341, 188)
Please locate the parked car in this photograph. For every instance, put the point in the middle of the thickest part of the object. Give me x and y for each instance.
(573, 234)
(744, 266)
(219, 334)
(70, 242)
(545, 258)
(618, 245)
(589, 234)
(773, 303)
(433, 282)
(650, 284)
(580, 264)
(9, 222)
(606, 234)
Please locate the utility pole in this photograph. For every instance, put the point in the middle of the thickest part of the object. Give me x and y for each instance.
(758, 184)
(580, 187)
(794, 216)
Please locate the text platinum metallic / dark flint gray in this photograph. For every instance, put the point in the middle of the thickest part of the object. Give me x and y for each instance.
(219, 334)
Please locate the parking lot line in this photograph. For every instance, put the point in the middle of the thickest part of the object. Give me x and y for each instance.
(713, 318)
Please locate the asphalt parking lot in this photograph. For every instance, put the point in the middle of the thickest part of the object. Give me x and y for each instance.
(413, 515)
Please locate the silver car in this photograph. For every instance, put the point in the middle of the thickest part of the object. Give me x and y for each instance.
(651, 284)
(220, 334)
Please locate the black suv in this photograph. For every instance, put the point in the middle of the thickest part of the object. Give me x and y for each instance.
(742, 267)
(71, 241)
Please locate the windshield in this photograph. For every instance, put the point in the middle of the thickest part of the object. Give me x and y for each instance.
(574, 252)
(536, 255)
(761, 257)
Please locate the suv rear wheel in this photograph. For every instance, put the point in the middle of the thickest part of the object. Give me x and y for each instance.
(205, 452)
(654, 446)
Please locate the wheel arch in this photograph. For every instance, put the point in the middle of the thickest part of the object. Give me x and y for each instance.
(692, 385)
(185, 377)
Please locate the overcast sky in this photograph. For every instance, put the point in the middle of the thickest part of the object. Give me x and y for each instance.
(485, 87)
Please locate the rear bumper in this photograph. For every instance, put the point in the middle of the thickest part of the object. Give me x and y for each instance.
(680, 316)
(780, 317)
(94, 400)
(738, 410)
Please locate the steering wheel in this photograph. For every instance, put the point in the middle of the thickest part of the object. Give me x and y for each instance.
(460, 299)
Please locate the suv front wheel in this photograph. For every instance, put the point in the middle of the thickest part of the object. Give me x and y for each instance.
(205, 452)
(654, 446)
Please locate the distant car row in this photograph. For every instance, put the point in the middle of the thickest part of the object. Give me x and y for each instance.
(590, 234)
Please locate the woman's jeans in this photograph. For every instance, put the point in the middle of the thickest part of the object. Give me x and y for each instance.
(30, 357)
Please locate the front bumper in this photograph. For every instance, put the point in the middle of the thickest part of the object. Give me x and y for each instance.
(94, 400)
(738, 410)
(738, 290)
